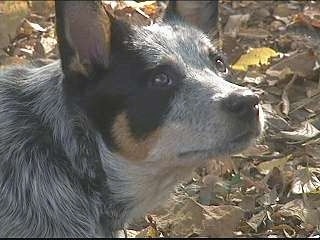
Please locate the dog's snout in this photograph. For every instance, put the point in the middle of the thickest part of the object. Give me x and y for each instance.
(241, 103)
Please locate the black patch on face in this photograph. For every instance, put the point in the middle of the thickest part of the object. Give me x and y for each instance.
(138, 56)
(125, 87)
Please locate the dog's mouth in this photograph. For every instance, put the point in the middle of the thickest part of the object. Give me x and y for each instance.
(235, 145)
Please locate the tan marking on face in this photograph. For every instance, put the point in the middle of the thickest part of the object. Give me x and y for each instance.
(131, 148)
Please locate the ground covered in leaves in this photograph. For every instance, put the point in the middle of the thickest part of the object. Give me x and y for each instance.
(272, 189)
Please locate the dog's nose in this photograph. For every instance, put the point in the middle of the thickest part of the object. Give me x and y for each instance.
(241, 103)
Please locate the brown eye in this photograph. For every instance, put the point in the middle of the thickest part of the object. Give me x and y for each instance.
(220, 65)
(161, 80)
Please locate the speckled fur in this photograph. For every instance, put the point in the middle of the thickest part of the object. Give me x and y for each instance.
(58, 175)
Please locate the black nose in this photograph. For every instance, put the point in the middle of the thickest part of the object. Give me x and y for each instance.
(241, 103)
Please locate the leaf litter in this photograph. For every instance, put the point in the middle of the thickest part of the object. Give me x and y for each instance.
(271, 190)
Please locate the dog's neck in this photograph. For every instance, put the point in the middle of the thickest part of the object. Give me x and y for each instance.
(136, 186)
(142, 185)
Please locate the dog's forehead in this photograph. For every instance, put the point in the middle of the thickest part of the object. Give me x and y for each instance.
(178, 41)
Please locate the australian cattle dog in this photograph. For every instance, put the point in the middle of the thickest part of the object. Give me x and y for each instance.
(95, 139)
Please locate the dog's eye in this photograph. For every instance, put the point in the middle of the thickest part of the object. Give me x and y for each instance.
(161, 80)
(218, 63)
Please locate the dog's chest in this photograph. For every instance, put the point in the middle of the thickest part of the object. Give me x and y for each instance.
(154, 190)
(143, 187)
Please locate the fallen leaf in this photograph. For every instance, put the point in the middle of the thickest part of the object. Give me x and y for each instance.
(294, 208)
(11, 15)
(48, 43)
(301, 64)
(288, 231)
(285, 10)
(189, 217)
(185, 218)
(284, 97)
(312, 216)
(248, 203)
(304, 133)
(43, 8)
(255, 33)
(266, 167)
(148, 232)
(221, 221)
(276, 180)
(305, 182)
(253, 77)
(269, 198)
(131, 233)
(254, 57)
(29, 27)
(281, 74)
(309, 17)
(234, 22)
(256, 220)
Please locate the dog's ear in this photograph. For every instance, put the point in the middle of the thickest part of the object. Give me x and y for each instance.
(202, 14)
(84, 35)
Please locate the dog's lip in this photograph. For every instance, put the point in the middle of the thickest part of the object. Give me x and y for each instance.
(245, 136)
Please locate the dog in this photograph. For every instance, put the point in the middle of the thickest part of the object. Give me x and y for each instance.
(93, 140)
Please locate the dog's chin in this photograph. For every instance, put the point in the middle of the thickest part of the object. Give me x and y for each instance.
(225, 148)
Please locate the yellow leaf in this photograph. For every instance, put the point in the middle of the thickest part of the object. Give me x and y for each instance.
(266, 167)
(255, 57)
(152, 232)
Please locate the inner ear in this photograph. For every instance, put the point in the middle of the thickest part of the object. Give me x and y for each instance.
(202, 14)
(84, 35)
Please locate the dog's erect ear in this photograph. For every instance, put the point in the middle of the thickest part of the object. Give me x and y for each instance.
(202, 14)
(84, 35)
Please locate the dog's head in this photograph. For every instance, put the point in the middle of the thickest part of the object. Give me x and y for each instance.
(155, 92)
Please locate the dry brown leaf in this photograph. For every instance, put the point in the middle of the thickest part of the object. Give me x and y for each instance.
(149, 232)
(294, 208)
(207, 194)
(288, 231)
(309, 17)
(255, 33)
(39, 51)
(256, 220)
(30, 27)
(185, 218)
(254, 77)
(248, 203)
(266, 167)
(189, 217)
(11, 15)
(285, 104)
(312, 216)
(151, 9)
(276, 180)
(256, 150)
(43, 8)
(221, 221)
(301, 64)
(305, 182)
(285, 10)
(131, 233)
(234, 22)
(268, 198)
(284, 97)
(48, 43)
(304, 133)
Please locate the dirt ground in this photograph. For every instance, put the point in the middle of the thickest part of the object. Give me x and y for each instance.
(273, 188)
